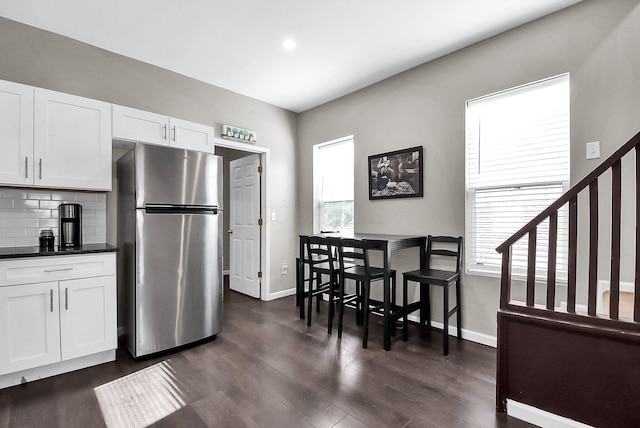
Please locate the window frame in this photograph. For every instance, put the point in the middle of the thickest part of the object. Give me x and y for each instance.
(318, 205)
(518, 272)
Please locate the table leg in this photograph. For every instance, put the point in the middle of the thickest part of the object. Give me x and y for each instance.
(387, 298)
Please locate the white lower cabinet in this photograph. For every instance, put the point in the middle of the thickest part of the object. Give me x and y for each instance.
(56, 325)
(29, 326)
(87, 316)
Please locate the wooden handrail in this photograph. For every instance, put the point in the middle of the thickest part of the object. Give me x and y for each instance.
(571, 193)
(570, 198)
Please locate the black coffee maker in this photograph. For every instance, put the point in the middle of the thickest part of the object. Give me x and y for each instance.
(70, 225)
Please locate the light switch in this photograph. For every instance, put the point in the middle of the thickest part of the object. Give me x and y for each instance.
(593, 150)
(273, 215)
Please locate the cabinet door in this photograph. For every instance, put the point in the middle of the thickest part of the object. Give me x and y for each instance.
(72, 141)
(191, 136)
(16, 133)
(29, 326)
(88, 316)
(140, 126)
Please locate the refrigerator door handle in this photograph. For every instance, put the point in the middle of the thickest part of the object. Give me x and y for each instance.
(180, 209)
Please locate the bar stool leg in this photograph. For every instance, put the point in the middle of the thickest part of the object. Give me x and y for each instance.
(393, 310)
(365, 312)
(310, 294)
(445, 330)
(341, 306)
(458, 310)
(300, 287)
(405, 315)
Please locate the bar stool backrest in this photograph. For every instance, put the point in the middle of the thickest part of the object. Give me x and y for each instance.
(353, 250)
(320, 250)
(444, 246)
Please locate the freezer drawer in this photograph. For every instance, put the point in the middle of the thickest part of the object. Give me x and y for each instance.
(178, 280)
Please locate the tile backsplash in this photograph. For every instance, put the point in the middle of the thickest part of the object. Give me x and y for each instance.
(24, 213)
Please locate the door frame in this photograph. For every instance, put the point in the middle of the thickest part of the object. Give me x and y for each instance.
(265, 251)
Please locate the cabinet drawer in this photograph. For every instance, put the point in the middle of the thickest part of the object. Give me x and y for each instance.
(42, 269)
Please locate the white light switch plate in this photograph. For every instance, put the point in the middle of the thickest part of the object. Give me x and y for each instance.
(593, 150)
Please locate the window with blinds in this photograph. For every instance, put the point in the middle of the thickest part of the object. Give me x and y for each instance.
(517, 164)
(333, 183)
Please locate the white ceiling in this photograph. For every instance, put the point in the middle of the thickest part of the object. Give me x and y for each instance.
(342, 45)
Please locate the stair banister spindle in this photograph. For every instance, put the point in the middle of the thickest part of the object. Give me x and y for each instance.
(636, 304)
(616, 204)
(531, 267)
(551, 263)
(505, 278)
(593, 247)
(573, 245)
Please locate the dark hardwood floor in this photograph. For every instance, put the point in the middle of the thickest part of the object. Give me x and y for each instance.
(268, 369)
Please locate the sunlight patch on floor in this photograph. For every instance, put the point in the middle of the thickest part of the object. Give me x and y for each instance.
(141, 398)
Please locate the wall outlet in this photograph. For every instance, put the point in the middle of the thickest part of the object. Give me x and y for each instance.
(284, 269)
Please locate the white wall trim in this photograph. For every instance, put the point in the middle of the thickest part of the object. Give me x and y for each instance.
(265, 159)
(470, 335)
(280, 294)
(540, 417)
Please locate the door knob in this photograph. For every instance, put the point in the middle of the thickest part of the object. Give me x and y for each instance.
(230, 231)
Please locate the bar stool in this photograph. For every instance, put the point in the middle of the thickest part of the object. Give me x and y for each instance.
(438, 277)
(363, 274)
(302, 279)
(322, 262)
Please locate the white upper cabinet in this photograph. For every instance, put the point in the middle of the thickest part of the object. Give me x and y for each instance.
(55, 140)
(141, 126)
(72, 141)
(144, 127)
(16, 133)
(192, 136)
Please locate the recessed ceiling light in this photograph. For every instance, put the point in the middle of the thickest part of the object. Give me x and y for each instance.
(288, 44)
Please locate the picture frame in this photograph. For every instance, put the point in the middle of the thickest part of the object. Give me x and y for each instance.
(397, 174)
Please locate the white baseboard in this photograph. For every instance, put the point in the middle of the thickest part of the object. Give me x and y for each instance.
(539, 417)
(280, 294)
(37, 373)
(470, 335)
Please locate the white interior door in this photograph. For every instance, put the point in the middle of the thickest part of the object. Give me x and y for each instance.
(244, 257)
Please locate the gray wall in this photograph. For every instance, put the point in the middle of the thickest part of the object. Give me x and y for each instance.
(596, 41)
(39, 58)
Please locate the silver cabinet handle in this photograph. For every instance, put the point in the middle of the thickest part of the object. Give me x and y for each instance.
(51, 298)
(58, 270)
(164, 131)
(26, 167)
(66, 299)
(174, 133)
(40, 168)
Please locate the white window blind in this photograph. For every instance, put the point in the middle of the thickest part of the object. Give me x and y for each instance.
(333, 177)
(517, 161)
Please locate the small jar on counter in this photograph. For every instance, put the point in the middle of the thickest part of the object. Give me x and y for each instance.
(47, 240)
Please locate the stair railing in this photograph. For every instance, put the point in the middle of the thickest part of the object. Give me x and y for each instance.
(590, 185)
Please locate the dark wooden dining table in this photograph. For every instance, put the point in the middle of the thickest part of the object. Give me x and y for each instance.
(387, 244)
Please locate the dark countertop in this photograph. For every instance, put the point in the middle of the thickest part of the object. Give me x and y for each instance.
(16, 252)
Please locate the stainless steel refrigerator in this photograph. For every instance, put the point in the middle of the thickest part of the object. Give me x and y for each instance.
(170, 247)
